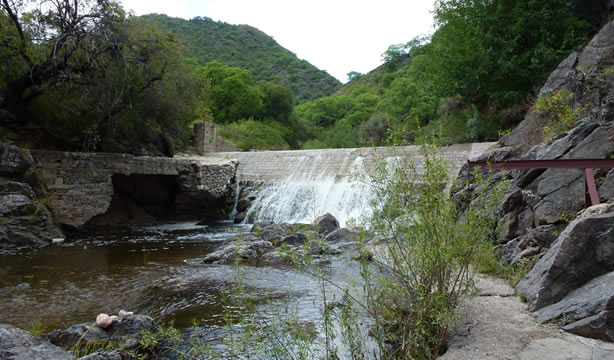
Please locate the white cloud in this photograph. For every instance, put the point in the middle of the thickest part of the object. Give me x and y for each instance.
(335, 35)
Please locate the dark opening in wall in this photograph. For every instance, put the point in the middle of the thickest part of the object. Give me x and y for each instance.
(141, 200)
(153, 193)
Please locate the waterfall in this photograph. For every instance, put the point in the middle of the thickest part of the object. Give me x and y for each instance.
(315, 185)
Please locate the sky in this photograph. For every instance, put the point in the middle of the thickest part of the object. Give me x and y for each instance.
(338, 36)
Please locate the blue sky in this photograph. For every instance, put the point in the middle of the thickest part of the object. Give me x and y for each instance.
(338, 36)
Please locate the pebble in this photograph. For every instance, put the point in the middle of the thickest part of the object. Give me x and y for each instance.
(103, 320)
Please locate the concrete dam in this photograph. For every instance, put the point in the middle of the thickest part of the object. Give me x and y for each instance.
(295, 185)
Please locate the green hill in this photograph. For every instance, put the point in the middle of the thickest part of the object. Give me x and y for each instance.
(251, 49)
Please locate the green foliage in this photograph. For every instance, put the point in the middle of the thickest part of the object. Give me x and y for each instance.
(490, 55)
(252, 134)
(430, 252)
(562, 114)
(111, 83)
(248, 48)
(234, 94)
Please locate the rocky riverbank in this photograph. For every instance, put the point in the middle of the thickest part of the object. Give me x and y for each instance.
(25, 220)
(269, 243)
(542, 217)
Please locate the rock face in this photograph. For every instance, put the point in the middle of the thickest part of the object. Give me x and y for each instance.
(17, 344)
(584, 250)
(591, 298)
(539, 217)
(24, 217)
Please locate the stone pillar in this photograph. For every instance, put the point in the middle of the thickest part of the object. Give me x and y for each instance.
(209, 138)
(204, 137)
(199, 138)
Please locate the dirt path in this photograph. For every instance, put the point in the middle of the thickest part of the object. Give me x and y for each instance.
(499, 326)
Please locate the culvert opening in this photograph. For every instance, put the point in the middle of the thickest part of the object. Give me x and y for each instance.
(140, 200)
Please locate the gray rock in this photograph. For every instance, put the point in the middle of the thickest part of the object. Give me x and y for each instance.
(601, 354)
(600, 326)
(294, 239)
(17, 344)
(274, 232)
(326, 224)
(606, 190)
(561, 192)
(103, 355)
(589, 299)
(12, 204)
(124, 329)
(13, 160)
(342, 235)
(584, 250)
(240, 217)
(243, 205)
(539, 237)
(245, 250)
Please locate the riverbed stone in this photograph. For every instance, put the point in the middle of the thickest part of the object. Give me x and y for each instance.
(325, 224)
(17, 344)
(124, 330)
(103, 355)
(342, 235)
(584, 250)
(294, 239)
(245, 250)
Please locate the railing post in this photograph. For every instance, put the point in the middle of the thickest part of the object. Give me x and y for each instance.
(591, 197)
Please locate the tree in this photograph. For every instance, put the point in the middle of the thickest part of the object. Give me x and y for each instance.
(354, 75)
(61, 41)
(89, 75)
(278, 101)
(234, 95)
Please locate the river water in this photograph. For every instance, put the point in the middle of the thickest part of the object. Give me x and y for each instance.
(148, 270)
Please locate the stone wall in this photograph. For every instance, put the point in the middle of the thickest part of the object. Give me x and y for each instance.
(264, 166)
(80, 184)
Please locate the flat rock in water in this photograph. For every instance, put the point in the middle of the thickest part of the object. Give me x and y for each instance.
(121, 330)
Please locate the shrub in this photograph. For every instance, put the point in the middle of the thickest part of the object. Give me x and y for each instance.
(428, 254)
(558, 106)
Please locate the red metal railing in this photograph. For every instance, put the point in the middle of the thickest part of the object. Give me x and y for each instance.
(591, 197)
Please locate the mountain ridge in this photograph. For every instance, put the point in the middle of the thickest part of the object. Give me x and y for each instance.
(247, 47)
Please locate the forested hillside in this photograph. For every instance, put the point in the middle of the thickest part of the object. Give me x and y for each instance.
(93, 78)
(250, 49)
(472, 80)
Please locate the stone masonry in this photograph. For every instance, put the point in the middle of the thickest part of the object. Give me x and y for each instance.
(80, 184)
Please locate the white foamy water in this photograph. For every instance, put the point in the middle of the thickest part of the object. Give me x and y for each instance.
(312, 189)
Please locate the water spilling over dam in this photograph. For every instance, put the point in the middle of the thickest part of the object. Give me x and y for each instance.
(297, 186)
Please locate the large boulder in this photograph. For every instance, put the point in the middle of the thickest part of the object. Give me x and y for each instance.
(600, 326)
(326, 224)
(13, 160)
(590, 299)
(584, 250)
(17, 344)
